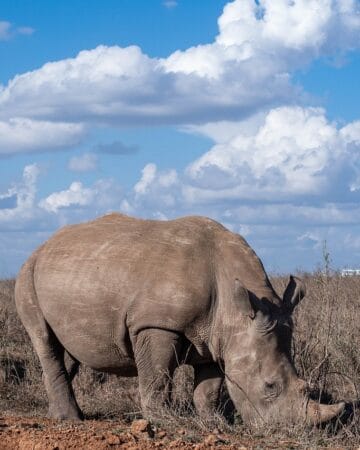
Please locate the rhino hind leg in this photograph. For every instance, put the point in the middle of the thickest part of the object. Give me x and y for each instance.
(208, 380)
(62, 402)
(156, 355)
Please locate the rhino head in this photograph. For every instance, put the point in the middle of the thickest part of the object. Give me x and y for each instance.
(260, 376)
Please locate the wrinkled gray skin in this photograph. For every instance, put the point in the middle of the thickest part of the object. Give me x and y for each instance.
(137, 297)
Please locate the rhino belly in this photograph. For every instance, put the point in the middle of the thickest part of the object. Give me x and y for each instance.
(97, 344)
(94, 332)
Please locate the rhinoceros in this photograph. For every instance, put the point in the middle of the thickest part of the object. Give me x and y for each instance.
(137, 297)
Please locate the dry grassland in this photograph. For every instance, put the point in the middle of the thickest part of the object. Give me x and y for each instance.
(326, 352)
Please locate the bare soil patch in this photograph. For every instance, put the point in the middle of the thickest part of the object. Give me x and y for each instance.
(22, 433)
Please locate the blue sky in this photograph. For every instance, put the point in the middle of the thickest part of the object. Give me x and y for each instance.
(243, 111)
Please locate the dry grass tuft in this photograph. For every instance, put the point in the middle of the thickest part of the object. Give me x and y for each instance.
(326, 353)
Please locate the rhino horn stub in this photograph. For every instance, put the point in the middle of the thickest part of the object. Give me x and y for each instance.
(294, 292)
(317, 413)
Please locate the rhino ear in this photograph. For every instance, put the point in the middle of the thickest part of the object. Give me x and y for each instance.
(242, 300)
(294, 292)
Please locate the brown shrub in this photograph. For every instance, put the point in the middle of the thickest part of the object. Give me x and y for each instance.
(327, 333)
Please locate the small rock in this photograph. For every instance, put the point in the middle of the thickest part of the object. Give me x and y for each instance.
(113, 440)
(161, 434)
(141, 426)
(211, 439)
(181, 431)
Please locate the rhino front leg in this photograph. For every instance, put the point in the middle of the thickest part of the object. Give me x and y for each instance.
(156, 356)
(207, 385)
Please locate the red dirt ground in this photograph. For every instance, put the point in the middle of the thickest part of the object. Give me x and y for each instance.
(43, 434)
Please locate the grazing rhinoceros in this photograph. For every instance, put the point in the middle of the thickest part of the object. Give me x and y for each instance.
(136, 297)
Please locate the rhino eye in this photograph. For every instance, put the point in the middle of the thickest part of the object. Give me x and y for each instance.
(270, 386)
(272, 389)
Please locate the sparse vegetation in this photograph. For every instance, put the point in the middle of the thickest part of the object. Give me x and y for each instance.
(326, 354)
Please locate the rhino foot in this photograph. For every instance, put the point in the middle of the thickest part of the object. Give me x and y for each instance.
(68, 413)
(207, 386)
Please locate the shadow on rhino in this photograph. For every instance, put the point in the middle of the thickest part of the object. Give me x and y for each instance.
(138, 297)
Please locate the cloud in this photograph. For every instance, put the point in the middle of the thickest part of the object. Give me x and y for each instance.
(292, 157)
(19, 200)
(170, 4)
(22, 210)
(247, 68)
(292, 214)
(305, 27)
(8, 30)
(147, 177)
(27, 221)
(76, 195)
(285, 234)
(116, 148)
(267, 39)
(79, 202)
(156, 193)
(293, 151)
(284, 178)
(20, 135)
(151, 179)
(86, 162)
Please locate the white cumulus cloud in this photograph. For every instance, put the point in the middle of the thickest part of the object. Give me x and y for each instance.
(293, 151)
(155, 192)
(147, 177)
(246, 68)
(20, 135)
(24, 193)
(286, 178)
(76, 195)
(79, 202)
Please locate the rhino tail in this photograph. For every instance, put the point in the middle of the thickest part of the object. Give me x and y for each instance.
(25, 294)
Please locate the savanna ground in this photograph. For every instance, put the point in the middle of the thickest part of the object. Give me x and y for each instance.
(326, 352)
